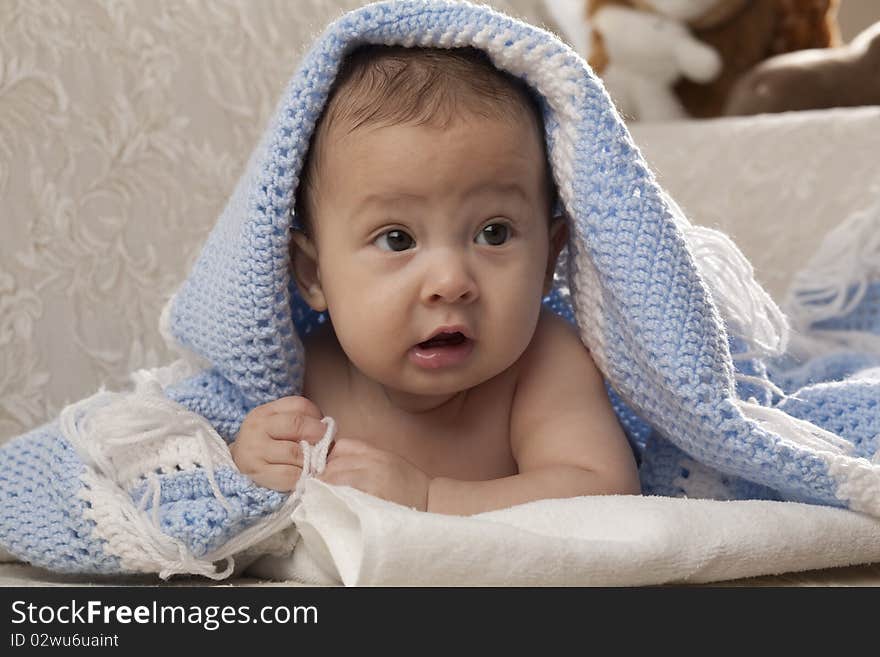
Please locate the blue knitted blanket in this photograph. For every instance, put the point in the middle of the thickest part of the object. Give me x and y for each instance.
(717, 396)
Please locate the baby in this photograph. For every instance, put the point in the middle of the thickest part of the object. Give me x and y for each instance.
(427, 234)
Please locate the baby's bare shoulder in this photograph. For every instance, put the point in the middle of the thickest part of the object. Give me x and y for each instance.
(557, 375)
(555, 344)
(561, 413)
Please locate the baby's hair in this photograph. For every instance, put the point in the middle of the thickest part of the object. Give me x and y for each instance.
(392, 85)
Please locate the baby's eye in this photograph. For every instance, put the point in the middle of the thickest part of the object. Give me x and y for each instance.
(394, 240)
(494, 234)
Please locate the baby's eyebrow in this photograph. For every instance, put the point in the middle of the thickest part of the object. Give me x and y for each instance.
(499, 188)
(389, 198)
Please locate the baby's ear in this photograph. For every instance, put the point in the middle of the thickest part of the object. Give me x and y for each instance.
(304, 268)
(558, 239)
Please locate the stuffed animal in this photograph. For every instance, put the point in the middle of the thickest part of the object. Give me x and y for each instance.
(756, 31)
(641, 51)
(668, 59)
(813, 79)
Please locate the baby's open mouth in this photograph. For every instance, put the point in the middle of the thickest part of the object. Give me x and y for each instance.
(443, 340)
(441, 351)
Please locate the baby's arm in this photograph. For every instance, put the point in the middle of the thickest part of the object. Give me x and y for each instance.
(564, 434)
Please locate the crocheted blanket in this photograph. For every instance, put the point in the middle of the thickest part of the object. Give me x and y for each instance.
(718, 398)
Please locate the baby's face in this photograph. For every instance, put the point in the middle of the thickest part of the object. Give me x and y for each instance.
(422, 229)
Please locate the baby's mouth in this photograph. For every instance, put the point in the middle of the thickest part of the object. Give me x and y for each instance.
(443, 340)
(441, 351)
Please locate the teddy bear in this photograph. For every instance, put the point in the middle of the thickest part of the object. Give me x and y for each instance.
(671, 59)
(756, 31)
(812, 79)
(640, 51)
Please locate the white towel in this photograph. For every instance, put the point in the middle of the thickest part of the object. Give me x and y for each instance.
(352, 538)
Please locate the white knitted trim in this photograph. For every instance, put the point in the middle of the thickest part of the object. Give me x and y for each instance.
(858, 483)
(858, 479)
(794, 430)
(123, 438)
(129, 535)
(133, 436)
(166, 375)
(867, 374)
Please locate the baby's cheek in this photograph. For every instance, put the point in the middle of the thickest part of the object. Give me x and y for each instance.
(523, 308)
(366, 338)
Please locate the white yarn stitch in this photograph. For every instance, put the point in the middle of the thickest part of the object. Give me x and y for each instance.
(107, 428)
(760, 381)
(312, 468)
(127, 436)
(132, 537)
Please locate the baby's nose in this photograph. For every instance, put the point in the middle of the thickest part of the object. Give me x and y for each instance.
(449, 280)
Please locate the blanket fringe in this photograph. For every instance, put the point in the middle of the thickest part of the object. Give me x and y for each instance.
(762, 382)
(314, 461)
(833, 284)
(814, 343)
(107, 431)
(837, 276)
(747, 309)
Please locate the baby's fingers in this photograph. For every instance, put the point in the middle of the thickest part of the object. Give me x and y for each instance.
(284, 452)
(277, 477)
(292, 404)
(294, 426)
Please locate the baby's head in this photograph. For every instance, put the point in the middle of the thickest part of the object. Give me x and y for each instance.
(425, 204)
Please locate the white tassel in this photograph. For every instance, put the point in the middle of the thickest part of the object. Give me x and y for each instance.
(749, 311)
(281, 518)
(832, 284)
(140, 539)
(108, 430)
(767, 384)
(115, 424)
(835, 279)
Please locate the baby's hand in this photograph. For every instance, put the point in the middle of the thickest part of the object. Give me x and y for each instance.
(377, 472)
(266, 446)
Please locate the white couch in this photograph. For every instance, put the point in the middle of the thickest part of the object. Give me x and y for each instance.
(123, 128)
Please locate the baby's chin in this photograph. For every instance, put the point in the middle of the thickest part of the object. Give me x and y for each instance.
(434, 383)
